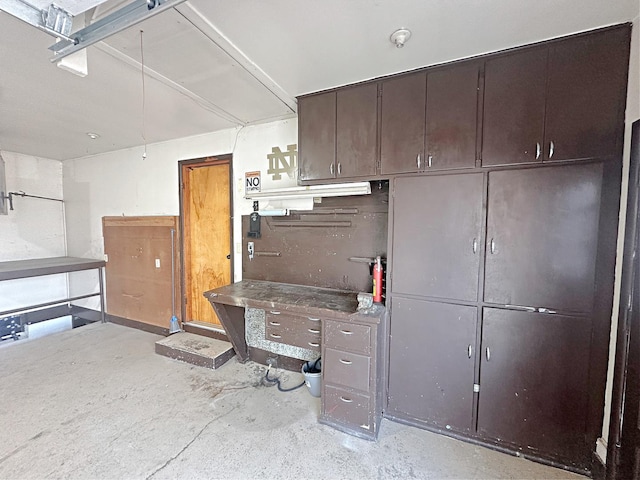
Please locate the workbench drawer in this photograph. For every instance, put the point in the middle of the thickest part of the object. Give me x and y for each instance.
(347, 369)
(343, 406)
(351, 337)
(275, 318)
(303, 338)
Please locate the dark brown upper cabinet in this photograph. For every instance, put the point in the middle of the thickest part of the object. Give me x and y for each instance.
(586, 96)
(452, 106)
(514, 108)
(317, 136)
(338, 134)
(429, 120)
(403, 124)
(561, 101)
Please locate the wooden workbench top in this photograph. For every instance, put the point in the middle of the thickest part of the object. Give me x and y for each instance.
(298, 299)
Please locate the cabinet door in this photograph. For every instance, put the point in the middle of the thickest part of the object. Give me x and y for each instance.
(542, 237)
(586, 96)
(514, 96)
(357, 129)
(317, 136)
(432, 361)
(452, 105)
(403, 124)
(534, 381)
(437, 223)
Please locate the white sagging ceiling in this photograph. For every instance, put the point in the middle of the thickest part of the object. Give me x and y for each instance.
(212, 65)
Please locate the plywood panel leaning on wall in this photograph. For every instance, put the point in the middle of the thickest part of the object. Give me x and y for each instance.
(139, 279)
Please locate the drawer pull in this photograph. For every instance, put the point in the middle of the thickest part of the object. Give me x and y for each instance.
(347, 332)
(275, 336)
(346, 362)
(313, 344)
(313, 319)
(313, 330)
(275, 324)
(274, 312)
(365, 426)
(346, 400)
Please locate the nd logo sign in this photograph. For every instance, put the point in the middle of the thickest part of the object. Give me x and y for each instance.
(251, 182)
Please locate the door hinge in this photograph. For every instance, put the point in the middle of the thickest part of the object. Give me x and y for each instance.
(476, 387)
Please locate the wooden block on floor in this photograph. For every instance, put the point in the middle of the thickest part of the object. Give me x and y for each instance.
(195, 349)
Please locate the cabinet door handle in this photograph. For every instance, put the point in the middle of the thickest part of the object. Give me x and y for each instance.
(488, 354)
(537, 150)
(347, 332)
(313, 330)
(339, 168)
(475, 245)
(492, 245)
(418, 161)
(313, 344)
(331, 169)
(469, 351)
(429, 160)
(551, 148)
(546, 310)
(274, 312)
(345, 362)
(275, 324)
(275, 336)
(346, 400)
(313, 319)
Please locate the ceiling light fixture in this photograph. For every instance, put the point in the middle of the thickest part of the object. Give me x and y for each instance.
(400, 37)
(93, 136)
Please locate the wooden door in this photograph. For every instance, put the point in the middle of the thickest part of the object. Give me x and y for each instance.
(534, 382)
(452, 106)
(206, 204)
(431, 366)
(514, 102)
(437, 228)
(317, 136)
(587, 95)
(357, 131)
(542, 237)
(403, 124)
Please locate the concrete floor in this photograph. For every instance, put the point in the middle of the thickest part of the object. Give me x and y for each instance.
(97, 402)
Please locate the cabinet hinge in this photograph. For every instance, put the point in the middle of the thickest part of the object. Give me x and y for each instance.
(476, 387)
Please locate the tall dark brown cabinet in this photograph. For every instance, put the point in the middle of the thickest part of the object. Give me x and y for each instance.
(501, 281)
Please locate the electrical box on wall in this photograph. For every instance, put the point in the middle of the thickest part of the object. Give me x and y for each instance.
(4, 207)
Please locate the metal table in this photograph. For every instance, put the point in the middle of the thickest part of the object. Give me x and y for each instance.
(49, 266)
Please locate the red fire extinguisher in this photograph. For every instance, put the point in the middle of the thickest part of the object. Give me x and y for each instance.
(377, 280)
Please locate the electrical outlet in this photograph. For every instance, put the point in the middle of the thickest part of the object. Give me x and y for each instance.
(157, 263)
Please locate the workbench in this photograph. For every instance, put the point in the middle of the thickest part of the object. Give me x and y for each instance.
(37, 267)
(326, 323)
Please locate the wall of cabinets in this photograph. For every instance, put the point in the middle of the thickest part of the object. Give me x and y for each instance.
(505, 183)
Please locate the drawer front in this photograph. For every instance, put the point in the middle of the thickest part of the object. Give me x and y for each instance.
(347, 407)
(348, 369)
(348, 336)
(276, 318)
(293, 336)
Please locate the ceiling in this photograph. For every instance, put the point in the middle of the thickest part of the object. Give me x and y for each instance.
(211, 65)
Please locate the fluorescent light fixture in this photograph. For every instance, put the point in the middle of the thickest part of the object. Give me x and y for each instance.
(274, 212)
(333, 190)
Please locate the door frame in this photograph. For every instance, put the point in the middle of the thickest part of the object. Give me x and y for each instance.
(182, 166)
(624, 402)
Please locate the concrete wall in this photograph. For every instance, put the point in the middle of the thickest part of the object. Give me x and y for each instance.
(34, 229)
(123, 183)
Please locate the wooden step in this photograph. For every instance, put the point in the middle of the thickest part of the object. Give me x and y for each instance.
(195, 349)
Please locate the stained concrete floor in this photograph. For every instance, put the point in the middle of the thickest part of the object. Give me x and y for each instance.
(97, 402)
